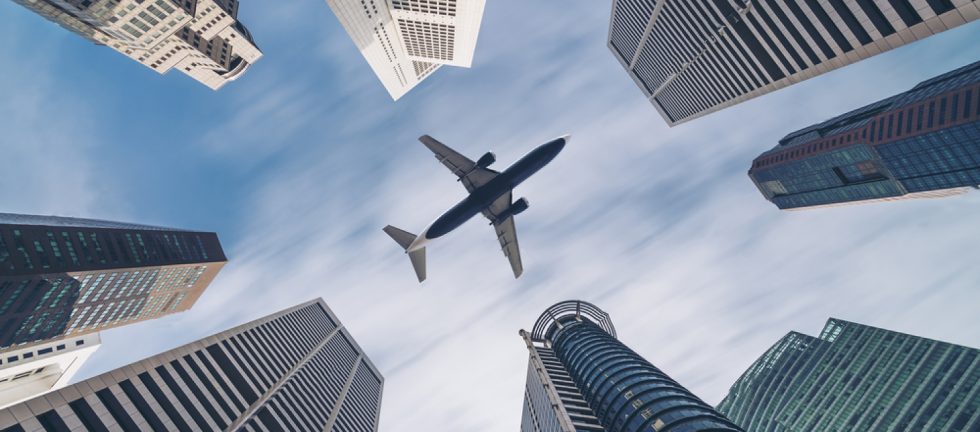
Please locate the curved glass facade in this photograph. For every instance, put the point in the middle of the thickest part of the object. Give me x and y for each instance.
(626, 392)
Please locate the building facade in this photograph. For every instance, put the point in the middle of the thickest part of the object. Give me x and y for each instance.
(691, 58)
(200, 38)
(68, 277)
(295, 370)
(405, 41)
(858, 378)
(27, 372)
(581, 378)
(924, 143)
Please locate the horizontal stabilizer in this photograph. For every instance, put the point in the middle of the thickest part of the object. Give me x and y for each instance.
(418, 262)
(404, 238)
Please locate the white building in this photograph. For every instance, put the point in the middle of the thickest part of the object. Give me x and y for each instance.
(295, 370)
(30, 371)
(404, 41)
(201, 38)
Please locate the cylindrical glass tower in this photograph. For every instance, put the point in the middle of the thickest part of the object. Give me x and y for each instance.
(625, 392)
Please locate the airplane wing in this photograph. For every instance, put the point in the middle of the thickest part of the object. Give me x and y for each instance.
(506, 232)
(471, 175)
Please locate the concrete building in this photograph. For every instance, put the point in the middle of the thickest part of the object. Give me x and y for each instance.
(858, 378)
(581, 378)
(30, 371)
(200, 38)
(691, 58)
(923, 143)
(69, 277)
(295, 370)
(405, 41)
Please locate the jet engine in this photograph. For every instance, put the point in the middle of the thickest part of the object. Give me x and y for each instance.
(486, 160)
(516, 208)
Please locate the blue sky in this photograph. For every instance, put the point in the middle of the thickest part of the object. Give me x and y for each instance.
(300, 163)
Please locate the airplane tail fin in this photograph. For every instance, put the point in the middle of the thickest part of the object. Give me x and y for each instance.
(405, 239)
(402, 237)
(418, 262)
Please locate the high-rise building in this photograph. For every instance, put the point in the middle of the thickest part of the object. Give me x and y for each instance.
(924, 143)
(581, 378)
(201, 38)
(691, 58)
(405, 41)
(26, 372)
(295, 370)
(68, 277)
(858, 378)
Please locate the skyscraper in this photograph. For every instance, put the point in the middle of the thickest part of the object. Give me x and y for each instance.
(201, 38)
(69, 277)
(26, 372)
(691, 58)
(405, 41)
(923, 143)
(580, 378)
(295, 370)
(858, 378)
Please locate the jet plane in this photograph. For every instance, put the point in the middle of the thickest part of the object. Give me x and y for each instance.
(490, 193)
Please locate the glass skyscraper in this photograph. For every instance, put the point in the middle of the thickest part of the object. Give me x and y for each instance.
(858, 378)
(691, 58)
(296, 370)
(67, 277)
(581, 378)
(924, 143)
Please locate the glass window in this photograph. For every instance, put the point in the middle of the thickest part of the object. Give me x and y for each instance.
(942, 111)
(932, 114)
(954, 108)
(967, 103)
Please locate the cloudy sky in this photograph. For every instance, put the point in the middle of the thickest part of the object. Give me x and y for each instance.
(300, 163)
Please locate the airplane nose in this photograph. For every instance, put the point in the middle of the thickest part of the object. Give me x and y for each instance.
(559, 143)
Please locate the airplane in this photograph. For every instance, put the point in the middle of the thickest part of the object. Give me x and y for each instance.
(490, 193)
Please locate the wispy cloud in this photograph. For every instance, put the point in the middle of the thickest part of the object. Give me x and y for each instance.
(660, 227)
(47, 136)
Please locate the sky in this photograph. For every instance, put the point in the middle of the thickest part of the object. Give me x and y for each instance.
(300, 163)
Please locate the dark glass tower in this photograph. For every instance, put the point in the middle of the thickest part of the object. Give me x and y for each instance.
(67, 277)
(298, 370)
(924, 143)
(858, 378)
(581, 378)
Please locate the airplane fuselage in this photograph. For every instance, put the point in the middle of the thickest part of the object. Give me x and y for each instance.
(481, 198)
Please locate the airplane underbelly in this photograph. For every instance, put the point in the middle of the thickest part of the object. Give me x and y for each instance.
(452, 219)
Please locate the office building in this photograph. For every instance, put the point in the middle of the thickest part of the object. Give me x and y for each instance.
(69, 277)
(200, 38)
(924, 143)
(581, 378)
(858, 378)
(27, 372)
(691, 58)
(295, 370)
(405, 41)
